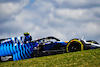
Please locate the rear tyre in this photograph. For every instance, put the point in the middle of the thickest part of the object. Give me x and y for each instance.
(0, 59)
(75, 45)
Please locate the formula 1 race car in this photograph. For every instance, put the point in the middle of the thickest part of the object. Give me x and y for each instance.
(15, 49)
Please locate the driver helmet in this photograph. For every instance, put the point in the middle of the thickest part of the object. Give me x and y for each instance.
(26, 33)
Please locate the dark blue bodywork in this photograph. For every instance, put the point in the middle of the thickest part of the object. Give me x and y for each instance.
(16, 47)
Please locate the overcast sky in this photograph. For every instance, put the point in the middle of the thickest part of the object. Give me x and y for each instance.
(64, 19)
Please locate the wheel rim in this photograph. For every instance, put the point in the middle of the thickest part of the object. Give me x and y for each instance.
(74, 46)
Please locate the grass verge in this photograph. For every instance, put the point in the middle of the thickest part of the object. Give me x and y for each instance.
(86, 58)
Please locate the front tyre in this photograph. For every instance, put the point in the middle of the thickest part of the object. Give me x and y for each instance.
(75, 45)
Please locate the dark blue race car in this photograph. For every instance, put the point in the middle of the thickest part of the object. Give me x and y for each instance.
(15, 48)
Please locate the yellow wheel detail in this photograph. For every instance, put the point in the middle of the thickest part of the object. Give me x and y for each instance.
(43, 43)
(74, 40)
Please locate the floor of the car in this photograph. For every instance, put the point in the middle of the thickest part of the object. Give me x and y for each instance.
(48, 52)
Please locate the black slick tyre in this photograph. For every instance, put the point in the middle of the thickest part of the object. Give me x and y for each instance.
(75, 45)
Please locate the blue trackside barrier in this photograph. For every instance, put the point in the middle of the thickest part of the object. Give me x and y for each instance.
(24, 54)
(16, 47)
